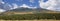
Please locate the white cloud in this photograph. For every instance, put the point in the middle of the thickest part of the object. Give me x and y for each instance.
(1, 10)
(32, 1)
(26, 6)
(8, 7)
(50, 5)
(14, 6)
(2, 2)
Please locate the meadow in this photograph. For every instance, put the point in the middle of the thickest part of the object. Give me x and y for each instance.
(36, 16)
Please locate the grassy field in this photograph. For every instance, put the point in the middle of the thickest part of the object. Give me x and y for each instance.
(36, 16)
(29, 20)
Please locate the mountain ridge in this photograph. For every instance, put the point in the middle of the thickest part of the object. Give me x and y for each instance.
(29, 11)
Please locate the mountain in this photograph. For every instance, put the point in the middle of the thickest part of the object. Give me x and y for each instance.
(22, 11)
(28, 11)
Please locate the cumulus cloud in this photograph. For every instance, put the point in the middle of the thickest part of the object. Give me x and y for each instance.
(50, 5)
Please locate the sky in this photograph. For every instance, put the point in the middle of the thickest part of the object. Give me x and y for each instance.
(21, 2)
(53, 5)
(13, 4)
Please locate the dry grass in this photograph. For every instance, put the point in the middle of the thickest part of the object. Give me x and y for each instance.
(18, 13)
(29, 20)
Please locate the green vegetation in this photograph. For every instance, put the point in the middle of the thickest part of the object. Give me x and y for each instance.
(37, 16)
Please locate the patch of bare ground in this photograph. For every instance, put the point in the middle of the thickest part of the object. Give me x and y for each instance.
(29, 20)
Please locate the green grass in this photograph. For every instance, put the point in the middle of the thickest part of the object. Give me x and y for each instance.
(37, 16)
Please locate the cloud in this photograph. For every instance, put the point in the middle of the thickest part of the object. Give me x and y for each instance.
(32, 1)
(1, 10)
(2, 2)
(6, 6)
(14, 6)
(26, 6)
(50, 5)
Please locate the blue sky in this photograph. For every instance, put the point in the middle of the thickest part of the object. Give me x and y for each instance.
(32, 3)
(13, 4)
(27, 2)
(19, 2)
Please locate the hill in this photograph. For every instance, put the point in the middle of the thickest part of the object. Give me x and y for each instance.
(29, 11)
(21, 11)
